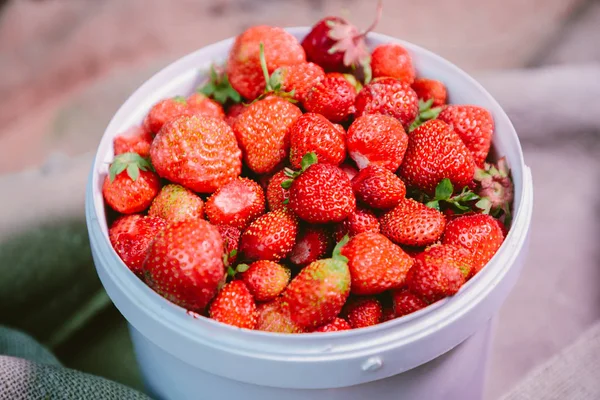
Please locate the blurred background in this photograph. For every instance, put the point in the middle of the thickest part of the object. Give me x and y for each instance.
(66, 67)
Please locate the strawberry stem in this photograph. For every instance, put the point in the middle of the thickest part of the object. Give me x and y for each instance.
(337, 251)
(378, 14)
(263, 66)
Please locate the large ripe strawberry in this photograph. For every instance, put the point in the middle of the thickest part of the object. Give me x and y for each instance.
(164, 111)
(439, 272)
(176, 203)
(199, 152)
(394, 61)
(131, 236)
(413, 224)
(297, 79)
(270, 237)
(338, 324)
(331, 96)
(375, 263)
(391, 97)
(359, 221)
(313, 243)
(231, 243)
(236, 203)
(265, 279)
(133, 140)
(235, 306)
(321, 194)
(271, 318)
(377, 139)
(435, 152)
(363, 311)
(243, 65)
(130, 186)
(480, 234)
(406, 302)
(474, 125)
(317, 294)
(263, 133)
(185, 263)
(199, 104)
(314, 133)
(430, 89)
(378, 187)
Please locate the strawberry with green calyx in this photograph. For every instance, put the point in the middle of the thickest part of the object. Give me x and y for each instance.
(460, 203)
(273, 82)
(219, 88)
(307, 160)
(495, 187)
(265, 279)
(426, 112)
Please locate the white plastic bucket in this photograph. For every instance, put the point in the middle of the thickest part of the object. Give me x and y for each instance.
(439, 352)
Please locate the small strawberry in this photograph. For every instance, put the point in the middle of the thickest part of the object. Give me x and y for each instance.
(199, 104)
(313, 243)
(322, 193)
(231, 241)
(235, 306)
(375, 263)
(392, 60)
(198, 152)
(363, 311)
(377, 139)
(332, 96)
(439, 272)
(298, 79)
(133, 140)
(388, 96)
(164, 111)
(131, 236)
(495, 188)
(314, 133)
(236, 203)
(243, 65)
(430, 89)
(474, 125)
(176, 203)
(406, 302)
(272, 319)
(263, 133)
(277, 195)
(130, 185)
(270, 237)
(338, 324)
(413, 224)
(435, 152)
(218, 88)
(265, 279)
(234, 112)
(350, 170)
(480, 234)
(378, 187)
(185, 263)
(317, 294)
(361, 220)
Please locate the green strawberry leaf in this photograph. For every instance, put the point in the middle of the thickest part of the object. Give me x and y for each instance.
(286, 201)
(233, 253)
(287, 183)
(444, 189)
(132, 162)
(425, 105)
(219, 89)
(133, 171)
(433, 204)
(308, 160)
(242, 268)
(425, 114)
(180, 99)
(230, 272)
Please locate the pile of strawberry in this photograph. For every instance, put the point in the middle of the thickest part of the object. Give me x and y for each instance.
(308, 187)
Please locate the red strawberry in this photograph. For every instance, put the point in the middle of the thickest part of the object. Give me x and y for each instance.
(413, 224)
(130, 186)
(332, 96)
(313, 243)
(392, 60)
(263, 133)
(231, 241)
(237, 203)
(375, 263)
(133, 140)
(361, 220)
(235, 306)
(131, 236)
(406, 302)
(474, 125)
(198, 152)
(435, 152)
(388, 96)
(321, 194)
(299, 78)
(185, 263)
(314, 133)
(377, 139)
(164, 111)
(277, 196)
(199, 104)
(234, 112)
(350, 170)
(363, 311)
(176, 203)
(378, 187)
(265, 279)
(427, 89)
(270, 237)
(272, 319)
(479, 234)
(316, 295)
(338, 324)
(439, 272)
(243, 66)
